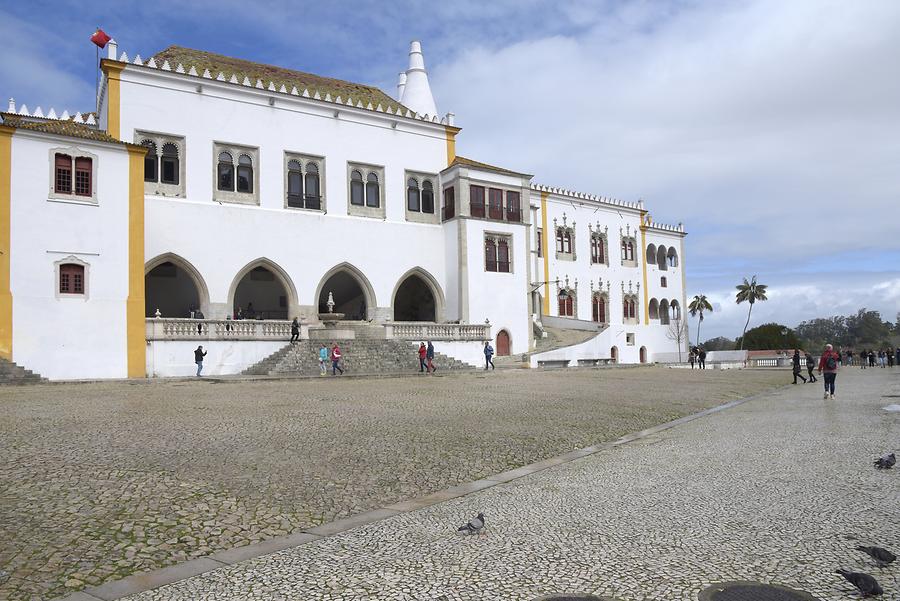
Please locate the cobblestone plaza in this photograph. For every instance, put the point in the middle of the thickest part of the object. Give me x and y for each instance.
(105, 480)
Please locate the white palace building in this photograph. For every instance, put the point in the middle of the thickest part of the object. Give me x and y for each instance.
(206, 188)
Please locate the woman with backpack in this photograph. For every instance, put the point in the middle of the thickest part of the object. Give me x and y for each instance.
(829, 365)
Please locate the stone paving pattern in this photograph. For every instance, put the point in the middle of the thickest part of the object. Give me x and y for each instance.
(779, 489)
(100, 481)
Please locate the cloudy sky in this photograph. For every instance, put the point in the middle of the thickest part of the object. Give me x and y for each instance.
(771, 128)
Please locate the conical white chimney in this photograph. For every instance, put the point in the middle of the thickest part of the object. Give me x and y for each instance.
(401, 84)
(417, 93)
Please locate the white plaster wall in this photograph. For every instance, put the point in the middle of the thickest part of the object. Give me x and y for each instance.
(500, 297)
(68, 337)
(168, 358)
(220, 239)
(468, 352)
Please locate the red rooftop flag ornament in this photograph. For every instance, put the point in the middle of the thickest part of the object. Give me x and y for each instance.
(100, 38)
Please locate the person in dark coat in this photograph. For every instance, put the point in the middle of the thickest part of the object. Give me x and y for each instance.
(198, 359)
(429, 356)
(488, 356)
(295, 330)
(810, 366)
(701, 358)
(797, 371)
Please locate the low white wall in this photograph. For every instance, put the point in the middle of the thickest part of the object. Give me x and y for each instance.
(726, 356)
(167, 358)
(471, 352)
(568, 323)
(595, 348)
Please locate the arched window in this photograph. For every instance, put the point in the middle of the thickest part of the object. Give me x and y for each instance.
(63, 183)
(373, 192)
(71, 278)
(357, 190)
(627, 249)
(664, 312)
(413, 200)
(490, 255)
(313, 196)
(150, 161)
(653, 308)
(675, 308)
(661, 258)
(598, 309)
(651, 254)
(225, 172)
(169, 172)
(295, 185)
(598, 252)
(427, 197)
(567, 304)
(245, 174)
(503, 256)
(673, 257)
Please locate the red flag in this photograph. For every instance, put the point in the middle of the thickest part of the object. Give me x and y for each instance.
(100, 38)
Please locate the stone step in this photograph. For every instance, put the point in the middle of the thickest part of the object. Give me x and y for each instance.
(12, 374)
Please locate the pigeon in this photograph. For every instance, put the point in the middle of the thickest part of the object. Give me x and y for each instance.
(474, 526)
(886, 462)
(882, 556)
(864, 583)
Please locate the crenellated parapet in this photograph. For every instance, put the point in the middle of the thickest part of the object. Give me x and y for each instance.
(38, 113)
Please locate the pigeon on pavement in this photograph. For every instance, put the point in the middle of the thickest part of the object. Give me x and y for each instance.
(886, 462)
(882, 556)
(474, 526)
(864, 583)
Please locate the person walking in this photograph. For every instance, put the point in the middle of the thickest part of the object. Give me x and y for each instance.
(890, 358)
(849, 358)
(422, 352)
(863, 359)
(336, 359)
(691, 358)
(701, 357)
(488, 355)
(872, 359)
(429, 355)
(828, 364)
(797, 371)
(198, 359)
(295, 330)
(323, 359)
(810, 366)
(882, 358)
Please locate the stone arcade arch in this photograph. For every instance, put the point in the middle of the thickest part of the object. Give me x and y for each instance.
(661, 258)
(651, 254)
(664, 312)
(353, 294)
(175, 287)
(614, 354)
(417, 297)
(654, 308)
(643, 354)
(267, 287)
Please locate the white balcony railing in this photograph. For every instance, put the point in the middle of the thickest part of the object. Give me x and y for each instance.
(218, 329)
(406, 330)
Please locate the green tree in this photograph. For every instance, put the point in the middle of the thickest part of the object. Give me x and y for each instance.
(699, 304)
(868, 327)
(751, 292)
(769, 336)
(719, 343)
(815, 333)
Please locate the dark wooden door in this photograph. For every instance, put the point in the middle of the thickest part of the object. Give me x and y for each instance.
(502, 343)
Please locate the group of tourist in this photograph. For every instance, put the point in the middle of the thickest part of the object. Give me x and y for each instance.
(832, 360)
(698, 356)
(881, 358)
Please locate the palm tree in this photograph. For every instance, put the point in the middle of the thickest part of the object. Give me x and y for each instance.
(699, 304)
(751, 292)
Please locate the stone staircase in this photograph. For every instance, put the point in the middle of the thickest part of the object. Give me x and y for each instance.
(360, 356)
(12, 374)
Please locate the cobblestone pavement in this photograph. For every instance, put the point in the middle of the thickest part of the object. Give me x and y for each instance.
(779, 489)
(98, 481)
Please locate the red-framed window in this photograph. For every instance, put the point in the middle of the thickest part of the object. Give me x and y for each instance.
(567, 306)
(63, 184)
(513, 207)
(503, 256)
(71, 278)
(490, 255)
(495, 200)
(563, 240)
(629, 309)
(598, 312)
(476, 201)
(597, 253)
(449, 202)
(627, 250)
(83, 176)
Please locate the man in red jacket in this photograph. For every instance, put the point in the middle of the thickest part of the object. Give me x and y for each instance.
(829, 365)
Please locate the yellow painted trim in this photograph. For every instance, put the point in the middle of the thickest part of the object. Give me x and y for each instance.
(136, 336)
(451, 143)
(643, 255)
(6, 300)
(113, 98)
(546, 253)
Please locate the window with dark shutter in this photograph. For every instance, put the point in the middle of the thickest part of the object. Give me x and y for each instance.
(503, 256)
(245, 174)
(513, 210)
(373, 191)
(83, 176)
(71, 278)
(357, 189)
(476, 201)
(449, 202)
(313, 197)
(490, 255)
(413, 202)
(427, 197)
(295, 185)
(169, 173)
(540, 243)
(150, 161)
(225, 172)
(63, 183)
(495, 198)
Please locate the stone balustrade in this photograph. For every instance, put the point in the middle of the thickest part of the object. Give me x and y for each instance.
(406, 330)
(219, 329)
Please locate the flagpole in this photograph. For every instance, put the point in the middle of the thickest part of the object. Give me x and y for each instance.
(97, 77)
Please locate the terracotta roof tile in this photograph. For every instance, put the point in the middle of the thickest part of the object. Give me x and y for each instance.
(289, 78)
(464, 162)
(59, 127)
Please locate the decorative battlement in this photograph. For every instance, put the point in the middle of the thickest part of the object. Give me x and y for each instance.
(38, 113)
(649, 223)
(639, 205)
(222, 76)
